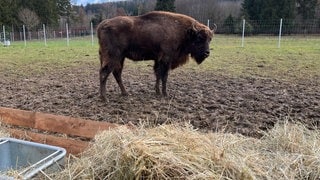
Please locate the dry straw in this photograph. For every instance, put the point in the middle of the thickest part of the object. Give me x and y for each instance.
(288, 151)
(3, 131)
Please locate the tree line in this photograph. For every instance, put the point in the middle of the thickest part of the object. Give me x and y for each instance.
(14, 13)
(226, 13)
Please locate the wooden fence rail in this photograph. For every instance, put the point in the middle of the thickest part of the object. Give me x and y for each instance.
(73, 134)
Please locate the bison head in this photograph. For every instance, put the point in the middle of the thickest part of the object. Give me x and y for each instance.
(200, 40)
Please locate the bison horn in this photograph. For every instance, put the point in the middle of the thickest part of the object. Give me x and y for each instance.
(214, 28)
(194, 27)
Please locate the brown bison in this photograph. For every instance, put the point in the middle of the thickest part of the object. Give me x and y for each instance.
(167, 38)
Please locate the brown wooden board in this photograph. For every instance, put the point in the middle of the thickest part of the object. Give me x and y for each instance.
(17, 117)
(72, 146)
(43, 128)
(53, 123)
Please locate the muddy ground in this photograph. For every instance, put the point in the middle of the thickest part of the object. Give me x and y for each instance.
(205, 99)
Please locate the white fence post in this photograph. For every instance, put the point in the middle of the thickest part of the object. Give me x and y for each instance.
(208, 23)
(243, 29)
(44, 34)
(24, 35)
(280, 33)
(4, 34)
(91, 25)
(67, 34)
(12, 34)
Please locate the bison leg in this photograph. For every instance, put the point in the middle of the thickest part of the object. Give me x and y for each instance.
(161, 71)
(164, 78)
(105, 71)
(158, 76)
(117, 75)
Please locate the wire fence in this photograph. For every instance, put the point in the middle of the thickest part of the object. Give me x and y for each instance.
(252, 27)
(242, 27)
(44, 32)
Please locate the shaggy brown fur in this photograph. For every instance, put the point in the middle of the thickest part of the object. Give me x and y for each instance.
(167, 38)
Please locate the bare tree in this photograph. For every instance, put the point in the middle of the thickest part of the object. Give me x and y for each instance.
(82, 18)
(29, 18)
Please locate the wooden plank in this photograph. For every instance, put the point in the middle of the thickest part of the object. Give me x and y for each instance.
(54, 123)
(72, 146)
(70, 125)
(17, 117)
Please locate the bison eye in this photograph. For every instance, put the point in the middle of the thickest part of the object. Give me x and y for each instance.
(200, 40)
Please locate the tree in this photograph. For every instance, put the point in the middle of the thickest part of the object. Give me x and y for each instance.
(47, 10)
(268, 9)
(307, 8)
(29, 18)
(64, 7)
(81, 18)
(229, 24)
(165, 5)
(8, 9)
(97, 19)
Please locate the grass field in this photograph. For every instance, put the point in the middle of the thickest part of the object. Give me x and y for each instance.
(298, 57)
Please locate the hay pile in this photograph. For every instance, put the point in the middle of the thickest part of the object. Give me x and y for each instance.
(288, 151)
(3, 132)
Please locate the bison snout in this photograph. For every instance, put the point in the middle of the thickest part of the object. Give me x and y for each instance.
(206, 54)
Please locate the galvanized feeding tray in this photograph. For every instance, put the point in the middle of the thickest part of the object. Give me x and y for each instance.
(28, 158)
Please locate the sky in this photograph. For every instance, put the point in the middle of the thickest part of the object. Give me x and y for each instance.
(84, 2)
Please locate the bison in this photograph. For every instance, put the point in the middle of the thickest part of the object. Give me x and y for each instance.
(167, 38)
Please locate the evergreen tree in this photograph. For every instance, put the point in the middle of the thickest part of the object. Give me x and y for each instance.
(165, 5)
(64, 7)
(268, 9)
(307, 8)
(229, 24)
(48, 11)
(8, 15)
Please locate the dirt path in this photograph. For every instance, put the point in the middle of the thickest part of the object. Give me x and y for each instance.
(208, 101)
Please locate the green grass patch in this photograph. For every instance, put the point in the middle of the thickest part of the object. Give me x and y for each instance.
(297, 58)
(35, 57)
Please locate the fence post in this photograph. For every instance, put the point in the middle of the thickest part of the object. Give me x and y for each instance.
(279, 41)
(208, 23)
(67, 34)
(243, 28)
(4, 34)
(24, 35)
(91, 25)
(44, 35)
(12, 34)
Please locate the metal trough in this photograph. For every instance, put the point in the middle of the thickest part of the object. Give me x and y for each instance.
(28, 158)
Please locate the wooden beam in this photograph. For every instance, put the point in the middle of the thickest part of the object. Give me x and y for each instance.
(17, 117)
(53, 123)
(70, 125)
(72, 146)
